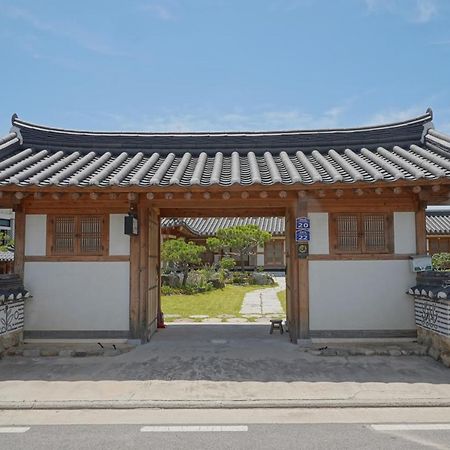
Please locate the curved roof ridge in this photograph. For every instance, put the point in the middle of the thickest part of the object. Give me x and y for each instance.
(18, 123)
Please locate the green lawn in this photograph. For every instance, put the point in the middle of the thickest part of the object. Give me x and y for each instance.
(282, 298)
(212, 304)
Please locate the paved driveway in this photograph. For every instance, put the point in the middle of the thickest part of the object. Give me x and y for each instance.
(226, 353)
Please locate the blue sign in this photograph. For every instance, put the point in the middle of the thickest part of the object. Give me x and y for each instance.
(302, 223)
(302, 235)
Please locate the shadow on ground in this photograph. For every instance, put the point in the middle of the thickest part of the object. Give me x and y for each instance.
(226, 353)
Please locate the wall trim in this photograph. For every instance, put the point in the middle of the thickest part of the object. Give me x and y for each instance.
(106, 258)
(359, 257)
(363, 333)
(76, 334)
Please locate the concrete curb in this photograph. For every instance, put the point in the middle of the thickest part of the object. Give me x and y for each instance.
(226, 404)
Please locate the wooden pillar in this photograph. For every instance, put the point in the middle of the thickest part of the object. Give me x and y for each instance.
(143, 213)
(135, 318)
(421, 230)
(291, 276)
(303, 284)
(19, 241)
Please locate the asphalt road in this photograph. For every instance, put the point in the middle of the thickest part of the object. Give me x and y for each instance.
(225, 430)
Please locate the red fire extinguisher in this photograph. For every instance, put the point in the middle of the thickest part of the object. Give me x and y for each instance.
(160, 321)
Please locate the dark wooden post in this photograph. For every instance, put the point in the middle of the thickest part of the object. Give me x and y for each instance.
(135, 313)
(19, 241)
(143, 213)
(303, 283)
(421, 230)
(291, 276)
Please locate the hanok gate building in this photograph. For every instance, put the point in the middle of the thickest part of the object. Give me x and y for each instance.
(364, 190)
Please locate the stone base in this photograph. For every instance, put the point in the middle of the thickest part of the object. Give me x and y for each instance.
(10, 339)
(438, 345)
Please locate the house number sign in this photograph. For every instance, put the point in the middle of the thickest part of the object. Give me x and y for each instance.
(302, 229)
(302, 236)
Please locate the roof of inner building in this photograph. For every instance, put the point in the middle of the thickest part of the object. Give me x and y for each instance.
(438, 222)
(208, 226)
(35, 155)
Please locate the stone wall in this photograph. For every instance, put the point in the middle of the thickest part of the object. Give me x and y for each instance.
(438, 346)
(9, 340)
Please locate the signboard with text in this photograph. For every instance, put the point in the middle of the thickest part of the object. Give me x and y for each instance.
(302, 226)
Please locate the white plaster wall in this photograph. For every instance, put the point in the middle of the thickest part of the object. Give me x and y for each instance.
(405, 232)
(35, 234)
(77, 295)
(119, 242)
(361, 295)
(319, 243)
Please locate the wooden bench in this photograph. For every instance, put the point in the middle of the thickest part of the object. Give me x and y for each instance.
(276, 324)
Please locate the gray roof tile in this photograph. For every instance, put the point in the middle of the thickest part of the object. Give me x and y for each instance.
(37, 155)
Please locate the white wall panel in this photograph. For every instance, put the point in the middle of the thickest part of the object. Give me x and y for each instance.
(319, 244)
(405, 232)
(77, 295)
(119, 242)
(361, 295)
(35, 234)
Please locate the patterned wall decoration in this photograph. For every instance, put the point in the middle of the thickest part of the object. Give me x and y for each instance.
(11, 317)
(433, 315)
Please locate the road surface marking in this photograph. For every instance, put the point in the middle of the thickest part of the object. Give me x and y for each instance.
(14, 429)
(411, 427)
(192, 428)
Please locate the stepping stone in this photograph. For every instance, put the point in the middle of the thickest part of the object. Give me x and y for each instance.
(212, 320)
(199, 316)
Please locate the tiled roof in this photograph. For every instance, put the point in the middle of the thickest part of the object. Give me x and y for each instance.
(438, 222)
(42, 156)
(208, 226)
(6, 255)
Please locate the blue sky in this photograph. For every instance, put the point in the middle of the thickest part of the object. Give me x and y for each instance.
(169, 65)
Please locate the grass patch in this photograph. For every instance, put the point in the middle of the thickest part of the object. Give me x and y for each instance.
(282, 297)
(214, 303)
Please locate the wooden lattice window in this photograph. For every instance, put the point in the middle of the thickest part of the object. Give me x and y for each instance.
(77, 235)
(361, 233)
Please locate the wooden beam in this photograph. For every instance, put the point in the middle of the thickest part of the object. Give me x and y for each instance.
(19, 239)
(421, 230)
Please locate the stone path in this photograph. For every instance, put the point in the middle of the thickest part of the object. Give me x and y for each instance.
(264, 302)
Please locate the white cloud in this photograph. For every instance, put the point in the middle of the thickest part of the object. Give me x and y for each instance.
(163, 10)
(66, 30)
(396, 115)
(228, 121)
(418, 11)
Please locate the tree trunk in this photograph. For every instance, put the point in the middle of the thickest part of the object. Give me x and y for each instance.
(242, 261)
(185, 277)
